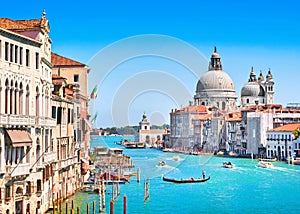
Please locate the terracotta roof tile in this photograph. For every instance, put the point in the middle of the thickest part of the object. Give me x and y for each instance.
(286, 128)
(58, 60)
(202, 117)
(21, 24)
(194, 108)
(234, 116)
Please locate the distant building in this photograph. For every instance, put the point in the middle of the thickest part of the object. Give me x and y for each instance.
(152, 137)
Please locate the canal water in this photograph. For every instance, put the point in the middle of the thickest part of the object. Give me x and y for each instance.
(245, 188)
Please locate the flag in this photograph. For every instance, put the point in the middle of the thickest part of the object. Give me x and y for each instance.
(94, 118)
(94, 92)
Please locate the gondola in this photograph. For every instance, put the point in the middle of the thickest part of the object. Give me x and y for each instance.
(183, 181)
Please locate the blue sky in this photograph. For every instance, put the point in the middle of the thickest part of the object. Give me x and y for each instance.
(262, 34)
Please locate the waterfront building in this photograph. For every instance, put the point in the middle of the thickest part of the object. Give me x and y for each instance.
(215, 87)
(182, 129)
(76, 74)
(202, 129)
(281, 142)
(234, 133)
(258, 90)
(27, 155)
(152, 137)
(67, 168)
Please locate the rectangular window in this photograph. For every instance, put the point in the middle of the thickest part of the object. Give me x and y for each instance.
(11, 52)
(27, 57)
(0, 53)
(39, 185)
(76, 78)
(53, 112)
(69, 115)
(59, 114)
(21, 56)
(37, 60)
(7, 191)
(6, 51)
(16, 53)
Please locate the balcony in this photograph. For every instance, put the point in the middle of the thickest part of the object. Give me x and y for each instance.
(49, 157)
(66, 162)
(232, 130)
(16, 120)
(45, 121)
(17, 170)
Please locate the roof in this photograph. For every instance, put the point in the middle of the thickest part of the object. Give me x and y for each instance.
(202, 117)
(58, 60)
(266, 107)
(286, 128)
(234, 116)
(193, 108)
(16, 25)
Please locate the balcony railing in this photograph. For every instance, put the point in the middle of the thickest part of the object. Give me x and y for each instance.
(45, 121)
(17, 170)
(11, 119)
(49, 157)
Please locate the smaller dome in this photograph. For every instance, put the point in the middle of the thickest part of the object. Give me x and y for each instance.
(251, 89)
(261, 77)
(215, 55)
(269, 75)
(144, 116)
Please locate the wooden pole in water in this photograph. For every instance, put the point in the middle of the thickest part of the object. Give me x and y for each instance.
(138, 175)
(94, 211)
(111, 206)
(78, 210)
(103, 194)
(72, 206)
(87, 209)
(57, 201)
(66, 207)
(124, 205)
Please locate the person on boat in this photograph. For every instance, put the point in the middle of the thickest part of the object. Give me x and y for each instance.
(203, 174)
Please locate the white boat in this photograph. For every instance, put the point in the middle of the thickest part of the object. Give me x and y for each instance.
(228, 164)
(265, 164)
(162, 163)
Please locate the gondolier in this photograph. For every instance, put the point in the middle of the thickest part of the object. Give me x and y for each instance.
(203, 174)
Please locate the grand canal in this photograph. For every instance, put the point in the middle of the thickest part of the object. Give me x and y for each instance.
(245, 188)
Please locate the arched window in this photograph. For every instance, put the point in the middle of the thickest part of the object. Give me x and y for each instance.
(6, 97)
(247, 101)
(21, 110)
(37, 102)
(11, 97)
(223, 105)
(27, 100)
(16, 99)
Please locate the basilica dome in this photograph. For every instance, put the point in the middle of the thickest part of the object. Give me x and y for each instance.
(215, 87)
(215, 80)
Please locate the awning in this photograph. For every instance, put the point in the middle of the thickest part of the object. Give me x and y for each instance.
(19, 137)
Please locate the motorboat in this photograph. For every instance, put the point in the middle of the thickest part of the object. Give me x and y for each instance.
(228, 164)
(265, 164)
(162, 163)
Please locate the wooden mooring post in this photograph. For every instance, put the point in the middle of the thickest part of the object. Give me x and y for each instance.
(146, 190)
(138, 175)
(111, 206)
(124, 204)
